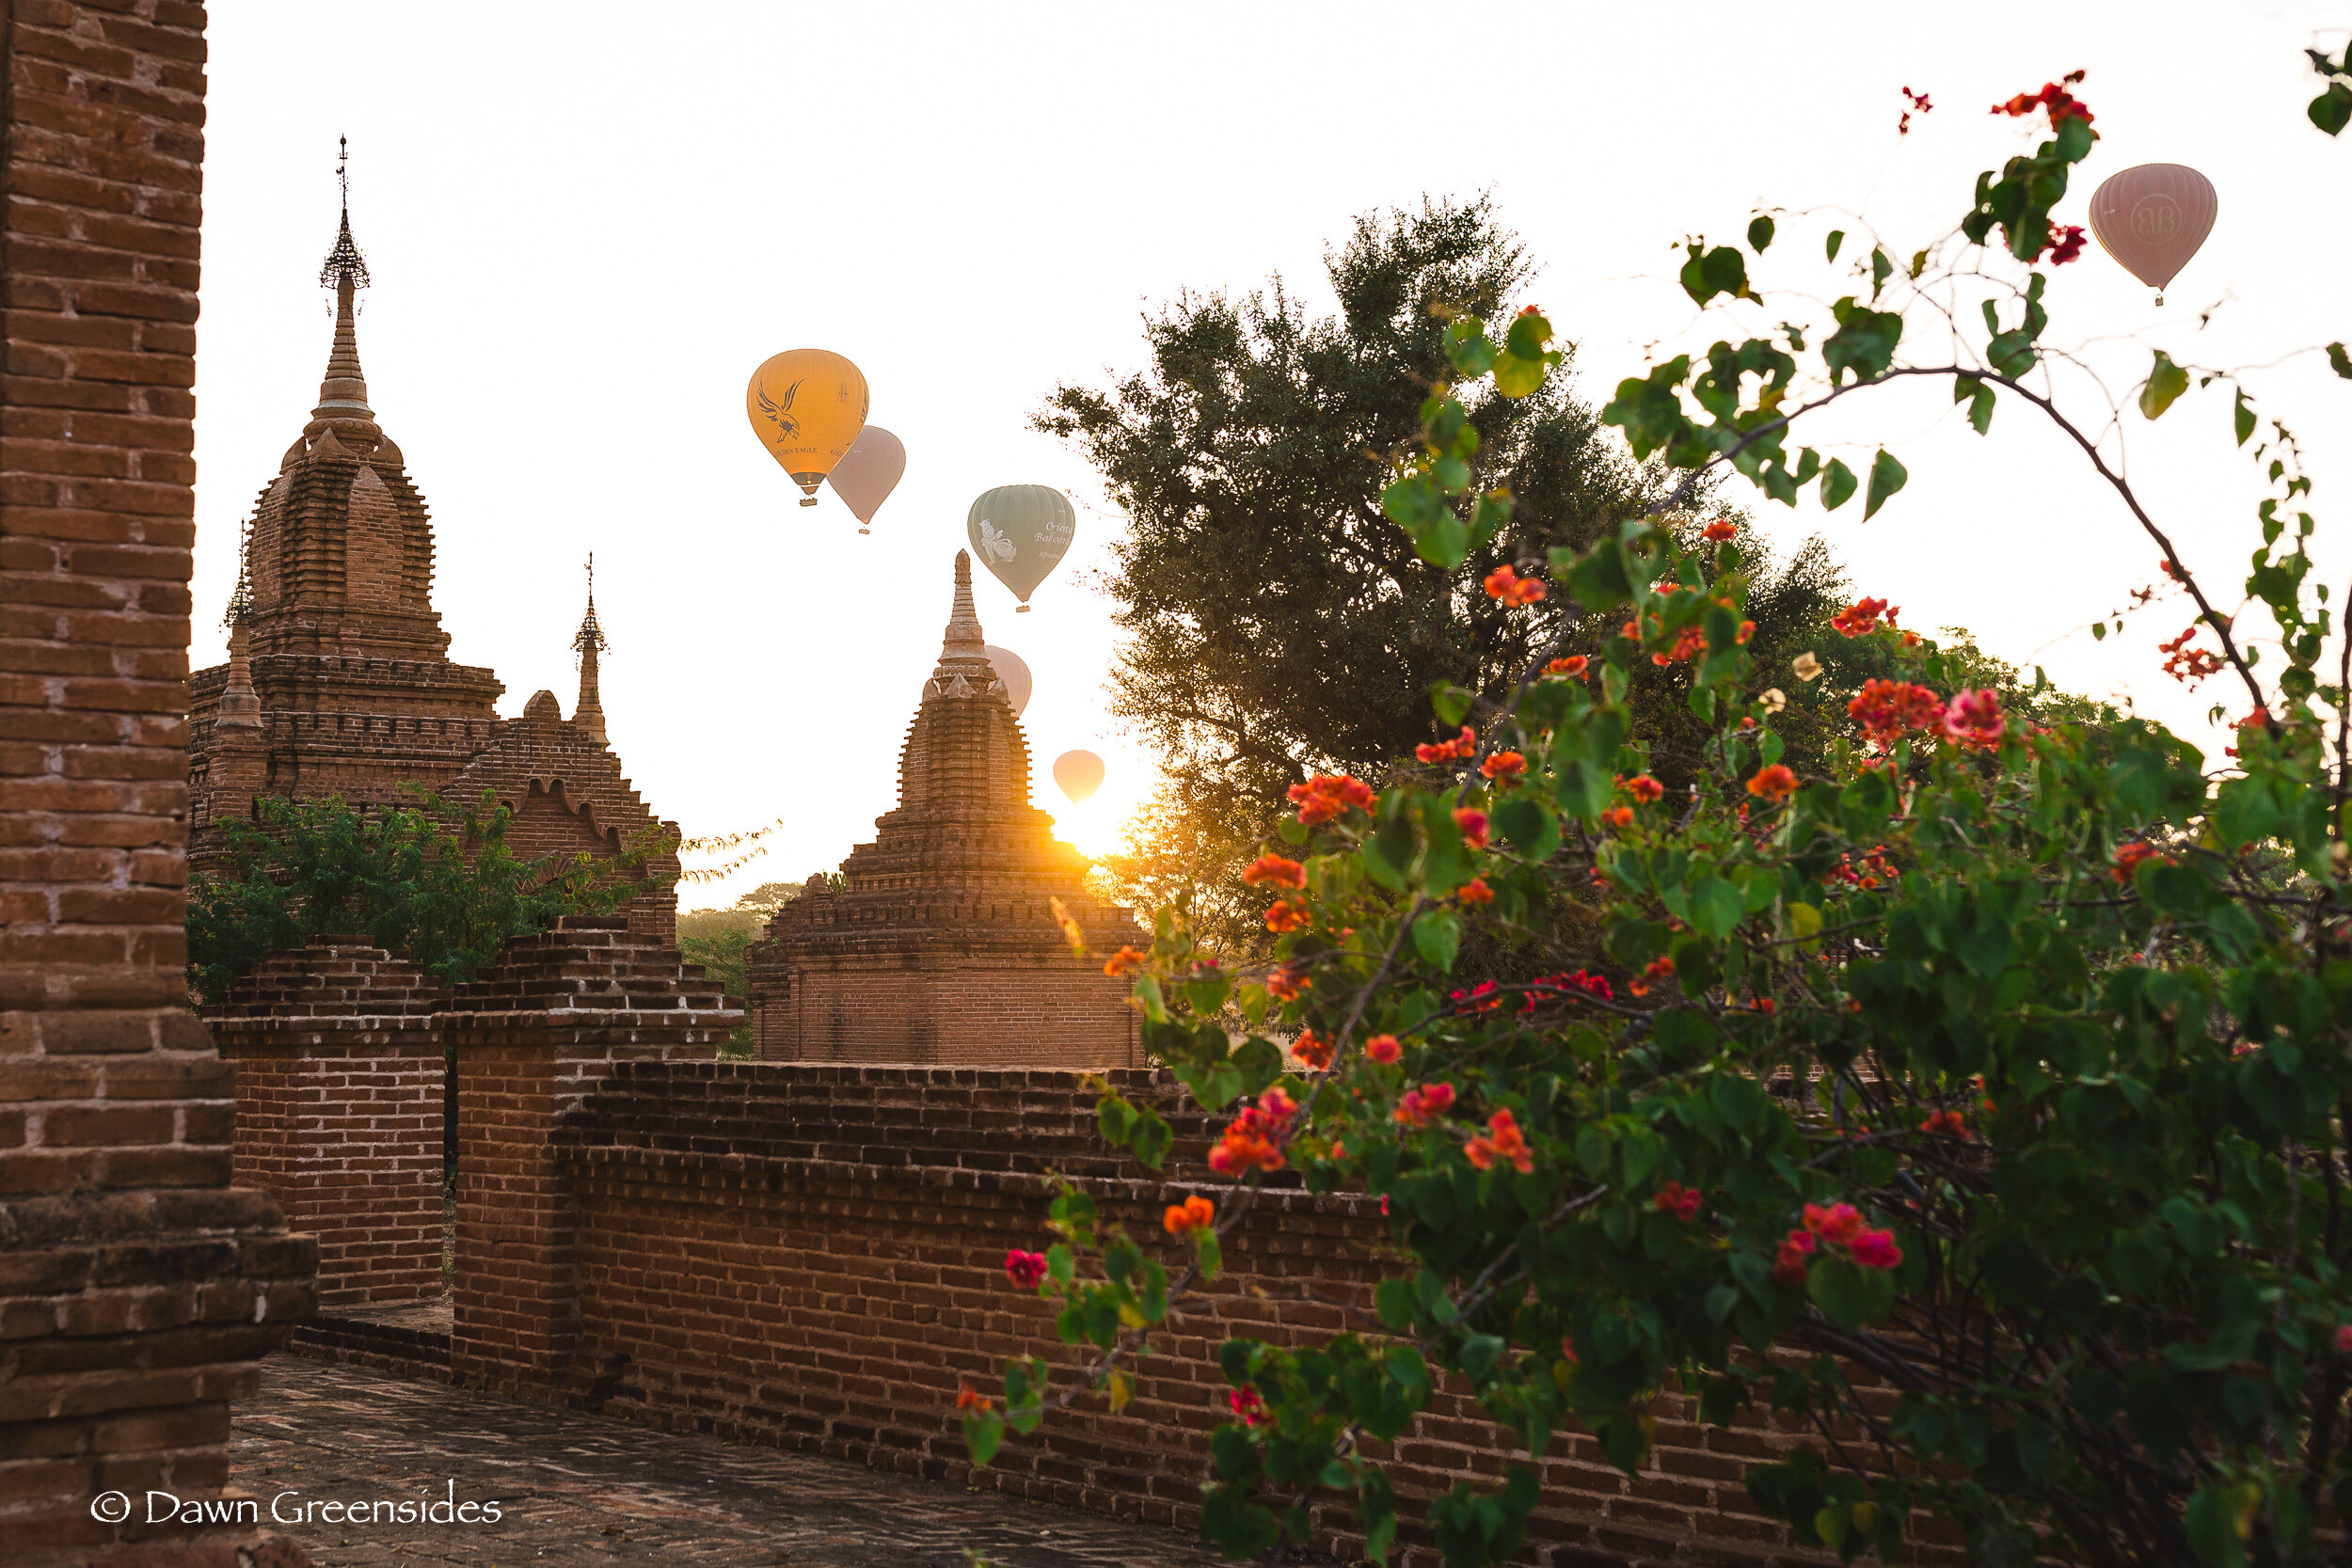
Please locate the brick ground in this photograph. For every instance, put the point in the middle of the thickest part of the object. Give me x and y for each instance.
(580, 1489)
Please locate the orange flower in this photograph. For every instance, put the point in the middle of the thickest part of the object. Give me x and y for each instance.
(1863, 617)
(1503, 765)
(1473, 823)
(1946, 1124)
(1689, 642)
(1475, 891)
(1419, 1107)
(2129, 856)
(1195, 1214)
(1575, 666)
(1123, 963)
(1721, 530)
(1285, 983)
(1285, 916)
(1461, 745)
(1618, 817)
(1889, 710)
(1642, 788)
(1776, 782)
(1502, 1140)
(1312, 1050)
(1512, 589)
(1242, 1150)
(1275, 869)
(969, 1397)
(1383, 1049)
(1330, 795)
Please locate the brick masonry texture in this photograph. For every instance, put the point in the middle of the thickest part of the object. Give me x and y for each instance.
(340, 681)
(136, 1286)
(941, 945)
(813, 1257)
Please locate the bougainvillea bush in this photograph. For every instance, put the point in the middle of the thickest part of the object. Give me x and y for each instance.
(2004, 1063)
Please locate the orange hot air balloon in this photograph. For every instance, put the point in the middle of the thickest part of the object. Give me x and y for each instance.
(1080, 774)
(806, 407)
(868, 473)
(2152, 218)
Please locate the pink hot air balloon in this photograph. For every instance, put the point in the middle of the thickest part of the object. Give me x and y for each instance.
(868, 472)
(2152, 219)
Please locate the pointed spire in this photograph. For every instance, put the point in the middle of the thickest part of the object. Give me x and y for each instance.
(964, 638)
(240, 707)
(344, 391)
(589, 641)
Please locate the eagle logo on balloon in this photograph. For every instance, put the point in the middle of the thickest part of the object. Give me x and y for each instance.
(995, 545)
(781, 412)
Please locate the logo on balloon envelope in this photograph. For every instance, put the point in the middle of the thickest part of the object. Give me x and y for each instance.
(2155, 217)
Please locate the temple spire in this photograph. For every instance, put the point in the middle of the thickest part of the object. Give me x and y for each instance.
(964, 638)
(589, 641)
(240, 707)
(343, 393)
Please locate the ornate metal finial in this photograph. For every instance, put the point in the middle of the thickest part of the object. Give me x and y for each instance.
(590, 639)
(241, 597)
(345, 260)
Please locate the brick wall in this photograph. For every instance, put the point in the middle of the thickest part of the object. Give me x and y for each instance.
(813, 1257)
(1031, 1006)
(340, 1083)
(136, 1287)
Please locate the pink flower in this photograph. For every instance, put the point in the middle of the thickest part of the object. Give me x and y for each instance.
(1473, 823)
(1025, 1268)
(1421, 1105)
(1382, 1049)
(1974, 719)
(1838, 1224)
(2344, 1338)
(1247, 1405)
(1875, 1249)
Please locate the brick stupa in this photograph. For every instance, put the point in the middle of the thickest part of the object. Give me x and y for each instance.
(338, 680)
(938, 944)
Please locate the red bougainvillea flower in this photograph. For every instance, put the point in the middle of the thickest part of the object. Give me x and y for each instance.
(2062, 104)
(1503, 765)
(1125, 961)
(1421, 1105)
(1946, 1124)
(1512, 589)
(2067, 242)
(1919, 106)
(1025, 1269)
(1776, 782)
(1286, 983)
(1676, 1199)
(969, 1397)
(1766, 1006)
(1195, 1214)
(1689, 644)
(1642, 788)
(1595, 986)
(1574, 666)
(1383, 1049)
(1974, 718)
(1463, 745)
(1796, 1251)
(1483, 997)
(1568, 1350)
(1889, 710)
(1274, 869)
(1247, 1405)
(1617, 817)
(1720, 530)
(1473, 823)
(1311, 1049)
(2129, 856)
(1875, 1249)
(2187, 665)
(1864, 616)
(1503, 1140)
(1330, 795)
(1475, 891)
(1285, 916)
(1837, 1224)
(2344, 1339)
(1242, 1148)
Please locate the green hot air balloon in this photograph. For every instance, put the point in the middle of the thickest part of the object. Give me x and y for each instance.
(1020, 532)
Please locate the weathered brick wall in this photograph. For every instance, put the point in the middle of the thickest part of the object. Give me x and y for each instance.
(136, 1287)
(340, 1083)
(1000, 1009)
(814, 1256)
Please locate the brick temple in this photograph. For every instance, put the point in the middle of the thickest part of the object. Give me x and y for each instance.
(338, 680)
(938, 944)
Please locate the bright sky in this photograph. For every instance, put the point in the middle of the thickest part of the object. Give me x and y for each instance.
(586, 232)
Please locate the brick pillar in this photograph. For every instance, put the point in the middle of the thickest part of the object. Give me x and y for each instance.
(138, 1287)
(340, 1090)
(532, 1037)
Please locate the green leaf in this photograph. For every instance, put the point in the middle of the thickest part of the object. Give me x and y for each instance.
(2339, 361)
(2220, 1516)
(1760, 234)
(1515, 377)
(2166, 381)
(1978, 397)
(1525, 826)
(982, 1434)
(1886, 477)
(1392, 1299)
(2332, 110)
(2244, 419)
(1437, 936)
(1837, 238)
(1151, 1139)
(1837, 484)
(1708, 273)
(1848, 1294)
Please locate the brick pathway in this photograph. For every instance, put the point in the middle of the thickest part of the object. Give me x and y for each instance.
(581, 1489)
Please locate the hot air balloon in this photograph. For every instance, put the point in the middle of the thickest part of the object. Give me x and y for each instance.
(1080, 774)
(2152, 219)
(1014, 671)
(868, 472)
(806, 405)
(1020, 531)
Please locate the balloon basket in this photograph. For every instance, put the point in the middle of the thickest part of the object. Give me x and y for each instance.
(808, 501)
(1022, 610)
(862, 530)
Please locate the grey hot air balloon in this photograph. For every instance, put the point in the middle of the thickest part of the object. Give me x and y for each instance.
(868, 472)
(1020, 531)
(1014, 671)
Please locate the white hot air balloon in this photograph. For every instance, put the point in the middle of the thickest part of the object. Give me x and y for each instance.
(1014, 671)
(1080, 774)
